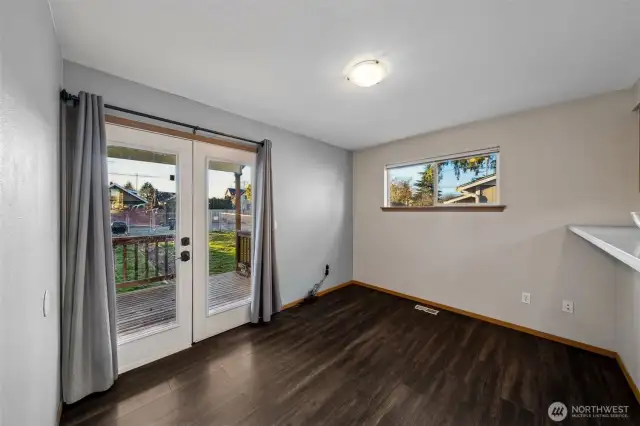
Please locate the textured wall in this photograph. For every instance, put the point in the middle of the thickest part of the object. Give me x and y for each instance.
(30, 78)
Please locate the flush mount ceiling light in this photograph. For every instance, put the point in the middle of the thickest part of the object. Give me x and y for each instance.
(367, 73)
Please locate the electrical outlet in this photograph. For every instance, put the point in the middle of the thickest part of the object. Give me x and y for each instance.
(567, 306)
(526, 298)
(326, 270)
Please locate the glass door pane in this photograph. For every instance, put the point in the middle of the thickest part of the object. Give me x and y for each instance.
(222, 237)
(142, 188)
(229, 235)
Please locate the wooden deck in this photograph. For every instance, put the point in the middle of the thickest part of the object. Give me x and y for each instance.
(155, 307)
(227, 288)
(145, 310)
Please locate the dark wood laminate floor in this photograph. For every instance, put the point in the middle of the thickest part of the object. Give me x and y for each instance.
(360, 357)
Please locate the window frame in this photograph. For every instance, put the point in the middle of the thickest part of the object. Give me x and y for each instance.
(494, 206)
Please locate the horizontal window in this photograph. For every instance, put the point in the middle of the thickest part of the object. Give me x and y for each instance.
(456, 180)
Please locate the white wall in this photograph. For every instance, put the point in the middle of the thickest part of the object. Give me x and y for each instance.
(627, 306)
(627, 303)
(312, 180)
(574, 163)
(30, 79)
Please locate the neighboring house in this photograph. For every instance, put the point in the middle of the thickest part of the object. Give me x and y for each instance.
(245, 205)
(124, 199)
(128, 206)
(479, 190)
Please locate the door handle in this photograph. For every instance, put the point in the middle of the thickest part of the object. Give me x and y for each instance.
(185, 256)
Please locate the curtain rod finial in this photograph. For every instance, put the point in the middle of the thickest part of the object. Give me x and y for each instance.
(66, 96)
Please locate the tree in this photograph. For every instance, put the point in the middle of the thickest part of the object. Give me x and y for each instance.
(220, 204)
(473, 164)
(423, 195)
(247, 192)
(148, 192)
(400, 192)
(128, 185)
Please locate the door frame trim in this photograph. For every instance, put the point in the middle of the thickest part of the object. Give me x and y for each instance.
(153, 128)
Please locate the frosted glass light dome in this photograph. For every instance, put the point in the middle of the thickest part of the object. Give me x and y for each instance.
(367, 73)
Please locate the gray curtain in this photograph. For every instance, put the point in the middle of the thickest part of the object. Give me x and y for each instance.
(89, 340)
(264, 281)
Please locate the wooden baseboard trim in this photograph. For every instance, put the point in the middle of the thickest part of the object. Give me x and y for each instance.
(60, 405)
(627, 376)
(320, 293)
(574, 343)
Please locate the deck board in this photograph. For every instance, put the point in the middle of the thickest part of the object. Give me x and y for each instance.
(227, 288)
(155, 307)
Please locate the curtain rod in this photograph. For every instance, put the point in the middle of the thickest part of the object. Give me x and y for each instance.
(66, 96)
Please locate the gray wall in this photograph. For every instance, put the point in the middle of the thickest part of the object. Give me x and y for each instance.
(574, 163)
(312, 180)
(29, 233)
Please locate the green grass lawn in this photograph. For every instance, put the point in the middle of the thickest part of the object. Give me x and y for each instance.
(222, 252)
(222, 258)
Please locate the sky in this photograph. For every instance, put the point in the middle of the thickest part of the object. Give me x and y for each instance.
(122, 171)
(449, 180)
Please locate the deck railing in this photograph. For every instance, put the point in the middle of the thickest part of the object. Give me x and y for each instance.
(157, 256)
(243, 249)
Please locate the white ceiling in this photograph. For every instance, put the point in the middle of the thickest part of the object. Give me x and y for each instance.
(281, 61)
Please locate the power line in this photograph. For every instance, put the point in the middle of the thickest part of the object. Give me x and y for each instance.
(138, 175)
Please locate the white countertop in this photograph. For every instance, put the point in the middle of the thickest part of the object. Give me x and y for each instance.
(621, 242)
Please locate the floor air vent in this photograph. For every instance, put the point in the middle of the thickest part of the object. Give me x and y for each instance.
(427, 310)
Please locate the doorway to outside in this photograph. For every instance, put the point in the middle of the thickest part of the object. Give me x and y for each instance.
(229, 221)
(181, 219)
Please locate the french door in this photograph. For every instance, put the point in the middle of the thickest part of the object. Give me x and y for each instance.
(150, 192)
(222, 240)
(181, 219)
